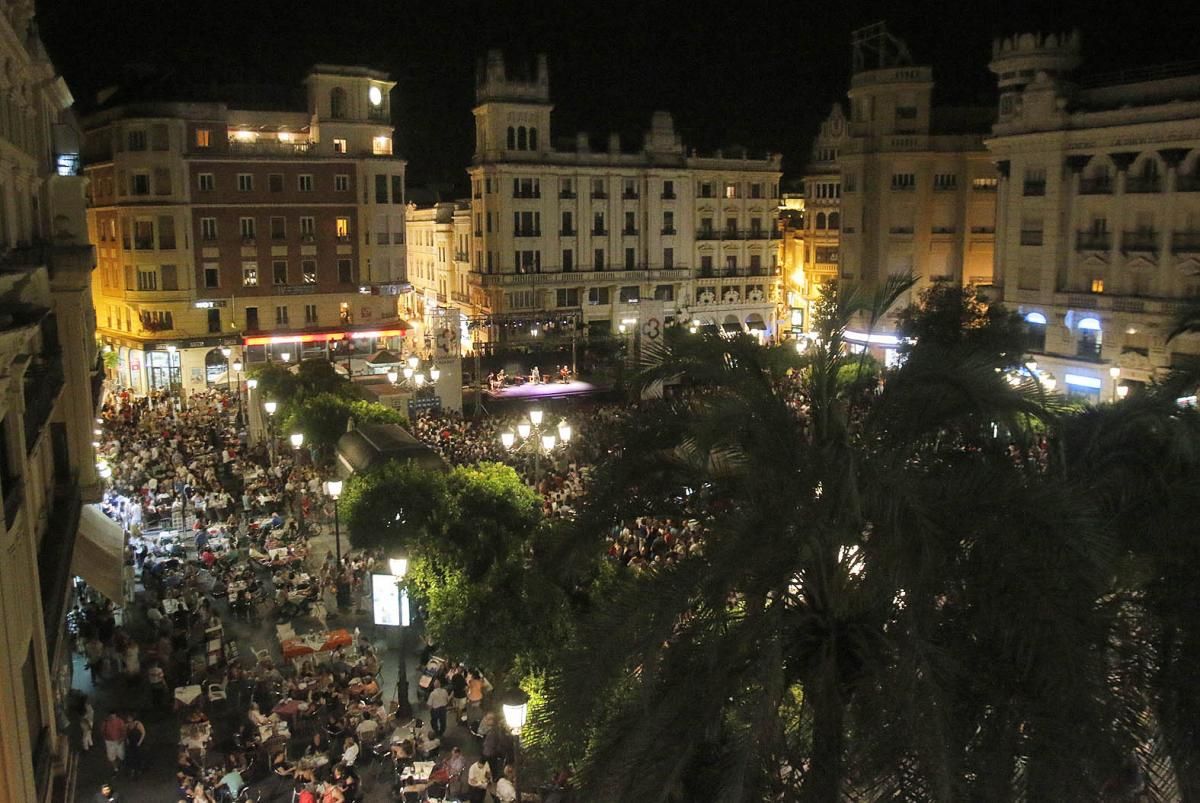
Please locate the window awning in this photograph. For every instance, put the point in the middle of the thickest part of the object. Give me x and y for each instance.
(731, 327)
(755, 323)
(100, 553)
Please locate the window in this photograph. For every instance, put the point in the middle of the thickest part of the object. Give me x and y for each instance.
(279, 271)
(381, 189)
(945, 181)
(664, 292)
(203, 138)
(597, 296)
(281, 316)
(598, 259)
(668, 226)
(511, 139)
(1035, 181)
(309, 268)
(208, 229)
(906, 112)
(310, 314)
(631, 294)
(756, 264)
(731, 226)
(630, 259)
(398, 189)
(629, 190)
(337, 103)
(339, 146)
(139, 184)
(568, 260)
(308, 228)
(566, 188)
(521, 138)
(1035, 332)
(344, 274)
(381, 146)
(246, 225)
(598, 224)
(147, 279)
(252, 319)
(136, 139)
(598, 188)
(706, 189)
(668, 258)
(568, 223)
(1097, 285)
(249, 274)
(214, 321)
(166, 233)
(206, 182)
(343, 229)
(567, 297)
(706, 266)
(143, 235)
(903, 181)
(630, 223)
(275, 182)
(212, 275)
(304, 182)
(986, 184)
(245, 182)
(668, 192)
(278, 228)
(731, 190)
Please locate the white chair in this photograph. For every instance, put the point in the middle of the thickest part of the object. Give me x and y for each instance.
(262, 656)
(216, 692)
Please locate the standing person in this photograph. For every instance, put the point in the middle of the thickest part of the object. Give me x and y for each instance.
(87, 721)
(113, 732)
(439, 701)
(458, 692)
(135, 735)
(506, 787)
(479, 778)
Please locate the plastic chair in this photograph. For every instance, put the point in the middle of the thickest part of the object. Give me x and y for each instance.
(216, 692)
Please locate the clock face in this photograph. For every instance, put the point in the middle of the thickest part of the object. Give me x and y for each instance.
(375, 96)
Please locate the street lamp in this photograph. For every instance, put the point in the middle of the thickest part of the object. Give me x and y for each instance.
(237, 369)
(271, 407)
(515, 705)
(541, 438)
(392, 376)
(398, 566)
(333, 488)
(226, 352)
(297, 439)
(286, 355)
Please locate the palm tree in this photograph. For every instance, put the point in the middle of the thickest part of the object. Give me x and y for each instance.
(850, 627)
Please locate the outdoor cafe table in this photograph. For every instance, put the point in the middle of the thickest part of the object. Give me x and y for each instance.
(289, 709)
(187, 695)
(315, 642)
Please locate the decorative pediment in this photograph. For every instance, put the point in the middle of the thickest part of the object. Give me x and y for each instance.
(1189, 266)
(732, 296)
(706, 297)
(1140, 262)
(1096, 259)
(754, 295)
(1134, 360)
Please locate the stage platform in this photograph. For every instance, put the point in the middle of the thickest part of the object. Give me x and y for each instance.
(553, 390)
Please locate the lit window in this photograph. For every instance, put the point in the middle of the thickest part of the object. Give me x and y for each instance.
(250, 274)
(343, 229)
(339, 146)
(1036, 317)
(1097, 285)
(381, 146)
(203, 137)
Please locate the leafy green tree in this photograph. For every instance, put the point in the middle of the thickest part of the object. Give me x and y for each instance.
(950, 315)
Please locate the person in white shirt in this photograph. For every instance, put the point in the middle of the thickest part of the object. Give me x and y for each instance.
(350, 754)
(479, 778)
(439, 700)
(506, 787)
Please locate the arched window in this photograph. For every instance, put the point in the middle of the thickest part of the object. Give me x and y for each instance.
(521, 141)
(533, 139)
(512, 138)
(835, 220)
(820, 220)
(337, 103)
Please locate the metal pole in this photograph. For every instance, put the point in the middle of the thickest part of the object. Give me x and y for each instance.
(403, 708)
(517, 765)
(337, 537)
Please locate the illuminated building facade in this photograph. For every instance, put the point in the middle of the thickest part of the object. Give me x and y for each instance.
(1098, 242)
(280, 231)
(613, 237)
(49, 379)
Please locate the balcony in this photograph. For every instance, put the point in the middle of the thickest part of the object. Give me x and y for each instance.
(269, 148)
(676, 273)
(1093, 241)
(1185, 242)
(1035, 188)
(668, 196)
(568, 232)
(629, 232)
(248, 239)
(1032, 237)
(757, 234)
(599, 195)
(527, 232)
(527, 194)
(1143, 184)
(708, 234)
(343, 239)
(599, 232)
(668, 230)
(460, 298)
(629, 195)
(43, 381)
(1139, 241)
(900, 230)
(567, 195)
(1096, 186)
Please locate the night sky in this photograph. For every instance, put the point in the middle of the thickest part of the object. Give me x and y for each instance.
(755, 73)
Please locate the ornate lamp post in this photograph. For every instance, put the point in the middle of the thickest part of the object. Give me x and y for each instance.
(297, 439)
(271, 407)
(398, 566)
(226, 352)
(333, 488)
(531, 434)
(515, 705)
